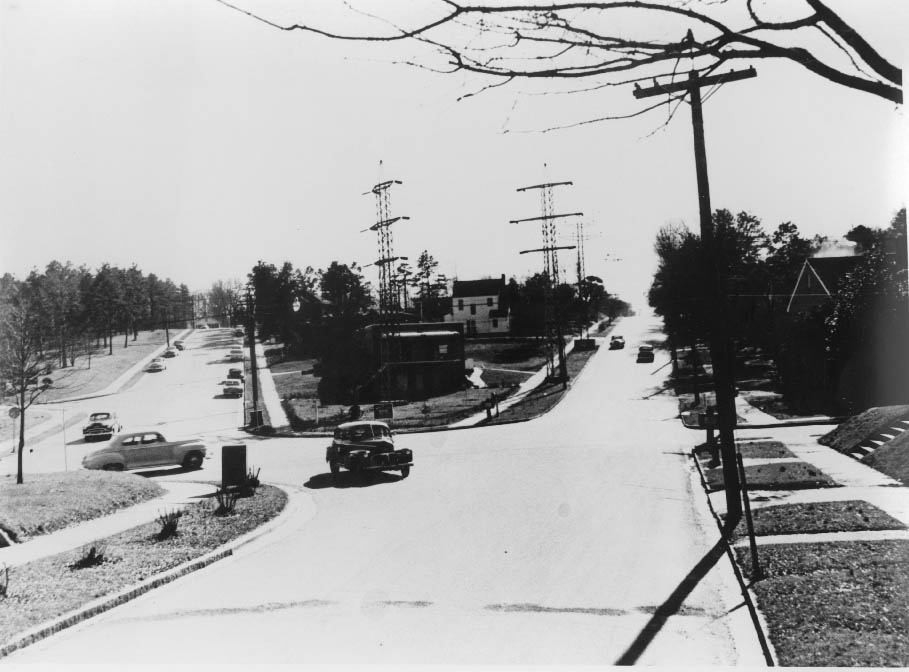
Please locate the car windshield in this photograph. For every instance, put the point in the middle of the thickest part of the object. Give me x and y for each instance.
(99, 416)
(361, 432)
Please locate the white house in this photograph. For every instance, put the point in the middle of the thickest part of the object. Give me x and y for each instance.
(479, 304)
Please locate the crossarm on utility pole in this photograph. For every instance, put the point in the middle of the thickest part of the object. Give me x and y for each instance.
(537, 219)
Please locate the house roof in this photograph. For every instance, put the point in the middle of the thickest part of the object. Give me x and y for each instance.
(487, 287)
(830, 270)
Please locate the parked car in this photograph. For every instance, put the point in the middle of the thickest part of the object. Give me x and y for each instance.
(616, 343)
(235, 374)
(239, 333)
(645, 354)
(136, 450)
(157, 364)
(232, 388)
(235, 355)
(179, 345)
(170, 352)
(101, 425)
(364, 446)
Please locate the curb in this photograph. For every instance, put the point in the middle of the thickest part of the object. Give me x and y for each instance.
(750, 598)
(108, 602)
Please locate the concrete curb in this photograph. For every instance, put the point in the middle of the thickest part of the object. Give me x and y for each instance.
(125, 595)
(760, 625)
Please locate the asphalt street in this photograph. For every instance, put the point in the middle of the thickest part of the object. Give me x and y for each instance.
(575, 538)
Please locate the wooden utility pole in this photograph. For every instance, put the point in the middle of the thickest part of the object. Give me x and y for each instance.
(720, 346)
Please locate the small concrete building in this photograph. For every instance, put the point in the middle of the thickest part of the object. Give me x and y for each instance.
(480, 305)
(417, 360)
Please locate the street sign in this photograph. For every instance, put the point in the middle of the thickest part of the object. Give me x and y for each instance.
(383, 411)
(14, 412)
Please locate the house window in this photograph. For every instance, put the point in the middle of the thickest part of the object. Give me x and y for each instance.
(443, 348)
(473, 309)
(488, 300)
(495, 323)
(460, 304)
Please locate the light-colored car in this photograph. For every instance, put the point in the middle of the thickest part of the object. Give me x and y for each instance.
(157, 364)
(364, 446)
(235, 355)
(101, 425)
(170, 352)
(616, 343)
(138, 450)
(232, 388)
(179, 345)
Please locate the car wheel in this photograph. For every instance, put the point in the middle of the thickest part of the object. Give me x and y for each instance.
(113, 467)
(192, 461)
(405, 472)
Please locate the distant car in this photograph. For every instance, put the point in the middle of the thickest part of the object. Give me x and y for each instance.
(235, 374)
(179, 345)
(239, 332)
(135, 450)
(170, 352)
(235, 355)
(202, 326)
(157, 364)
(616, 343)
(366, 445)
(645, 354)
(101, 425)
(232, 388)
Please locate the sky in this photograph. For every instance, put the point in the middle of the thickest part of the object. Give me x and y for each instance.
(194, 141)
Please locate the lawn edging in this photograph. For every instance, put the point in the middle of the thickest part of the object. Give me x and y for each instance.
(760, 625)
(108, 602)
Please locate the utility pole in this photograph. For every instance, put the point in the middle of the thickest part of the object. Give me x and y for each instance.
(389, 296)
(253, 364)
(554, 330)
(720, 346)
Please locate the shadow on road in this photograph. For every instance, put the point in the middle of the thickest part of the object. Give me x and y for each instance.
(347, 479)
(173, 471)
(672, 605)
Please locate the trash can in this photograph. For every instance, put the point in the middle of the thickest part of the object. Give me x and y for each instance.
(255, 419)
(233, 465)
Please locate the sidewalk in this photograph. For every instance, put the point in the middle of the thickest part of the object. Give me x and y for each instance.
(857, 481)
(179, 494)
(276, 414)
(523, 390)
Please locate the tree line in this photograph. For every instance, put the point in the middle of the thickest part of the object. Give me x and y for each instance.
(843, 354)
(51, 318)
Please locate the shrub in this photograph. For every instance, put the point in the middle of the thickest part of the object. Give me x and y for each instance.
(168, 523)
(91, 556)
(227, 501)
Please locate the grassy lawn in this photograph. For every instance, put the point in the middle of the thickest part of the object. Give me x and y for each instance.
(817, 517)
(547, 395)
(843, 604)
(758, 449)
(50, 587)
(857, 428)
(521, 355)
(34, 416)
(49, 502)
(782, 476)
(892, 458)
(93, 374)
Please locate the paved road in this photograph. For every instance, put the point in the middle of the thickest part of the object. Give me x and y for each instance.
(182, 401)
(575, 538)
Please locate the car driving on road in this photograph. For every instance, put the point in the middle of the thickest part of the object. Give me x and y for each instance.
(645, 354)
(170, 352)
(157, 364)
(616, 343)
(136, 450)
(364, 446)
(232, 388)
(101, 425)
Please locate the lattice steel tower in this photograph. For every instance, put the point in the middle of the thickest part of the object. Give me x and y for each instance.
(553, 317)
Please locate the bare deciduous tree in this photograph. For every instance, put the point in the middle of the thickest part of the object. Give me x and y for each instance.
(615, 43)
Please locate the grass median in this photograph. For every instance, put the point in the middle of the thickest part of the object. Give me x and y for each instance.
(48, 588)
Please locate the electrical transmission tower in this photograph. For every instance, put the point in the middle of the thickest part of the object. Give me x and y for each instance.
(553, 313)
(389, 295)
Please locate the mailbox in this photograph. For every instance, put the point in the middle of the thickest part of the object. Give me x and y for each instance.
(233, 465)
